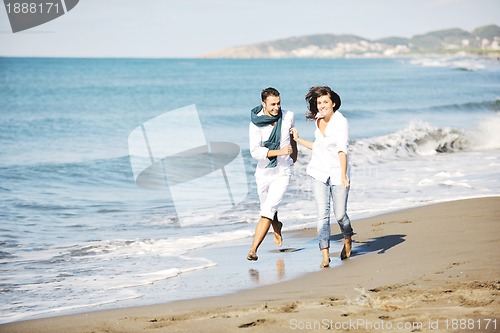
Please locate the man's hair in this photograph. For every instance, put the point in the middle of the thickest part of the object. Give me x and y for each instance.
(269, 92)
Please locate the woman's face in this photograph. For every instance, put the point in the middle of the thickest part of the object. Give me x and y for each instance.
(325, 106)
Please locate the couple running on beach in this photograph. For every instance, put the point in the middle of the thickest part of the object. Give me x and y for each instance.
(273, 143)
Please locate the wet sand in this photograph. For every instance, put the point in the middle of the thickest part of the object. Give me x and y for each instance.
(434, 268)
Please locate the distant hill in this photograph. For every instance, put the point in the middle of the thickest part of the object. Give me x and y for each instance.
(484, 40)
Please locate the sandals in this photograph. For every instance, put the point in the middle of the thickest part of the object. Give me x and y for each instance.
(252, 256)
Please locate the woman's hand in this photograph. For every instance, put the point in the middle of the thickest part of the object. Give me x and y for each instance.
(345, 182)
(295, 136)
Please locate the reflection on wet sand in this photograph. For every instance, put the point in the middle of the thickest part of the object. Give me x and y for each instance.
(280, 271)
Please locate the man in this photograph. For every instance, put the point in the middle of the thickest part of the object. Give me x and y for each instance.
(271, 146)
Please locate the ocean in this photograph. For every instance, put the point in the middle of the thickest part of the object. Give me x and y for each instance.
(78, 233)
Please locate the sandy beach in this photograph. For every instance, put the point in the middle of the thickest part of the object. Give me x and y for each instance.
(427, 269)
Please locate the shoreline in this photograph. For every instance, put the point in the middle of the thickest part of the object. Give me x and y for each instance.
(422, 265)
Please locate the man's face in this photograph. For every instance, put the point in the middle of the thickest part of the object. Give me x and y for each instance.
(272, 105)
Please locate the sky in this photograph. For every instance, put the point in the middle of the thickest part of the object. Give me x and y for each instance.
(189, 28)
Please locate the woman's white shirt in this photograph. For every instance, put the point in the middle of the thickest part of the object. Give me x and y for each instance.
(325, 161)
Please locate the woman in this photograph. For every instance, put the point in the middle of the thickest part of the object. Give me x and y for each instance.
(329, 166)
(272, 147)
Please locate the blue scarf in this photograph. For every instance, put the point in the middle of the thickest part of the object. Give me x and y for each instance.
(274, 141)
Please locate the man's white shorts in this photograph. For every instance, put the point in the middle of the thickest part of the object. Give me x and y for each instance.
(271, 189)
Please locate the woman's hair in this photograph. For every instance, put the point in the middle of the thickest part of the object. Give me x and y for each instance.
(269, 92)
(316, 92)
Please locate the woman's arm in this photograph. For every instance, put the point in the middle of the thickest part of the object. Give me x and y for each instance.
(343, 169)
(305, 143)
(341, 140)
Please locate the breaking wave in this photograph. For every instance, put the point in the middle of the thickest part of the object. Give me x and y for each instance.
(422, 139)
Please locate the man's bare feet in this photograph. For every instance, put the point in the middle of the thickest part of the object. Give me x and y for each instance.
(252, 256)
(278, 239)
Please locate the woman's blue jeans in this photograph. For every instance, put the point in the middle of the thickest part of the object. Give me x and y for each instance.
(325, 194)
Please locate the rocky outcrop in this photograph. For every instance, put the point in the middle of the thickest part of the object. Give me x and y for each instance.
(482, 40)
